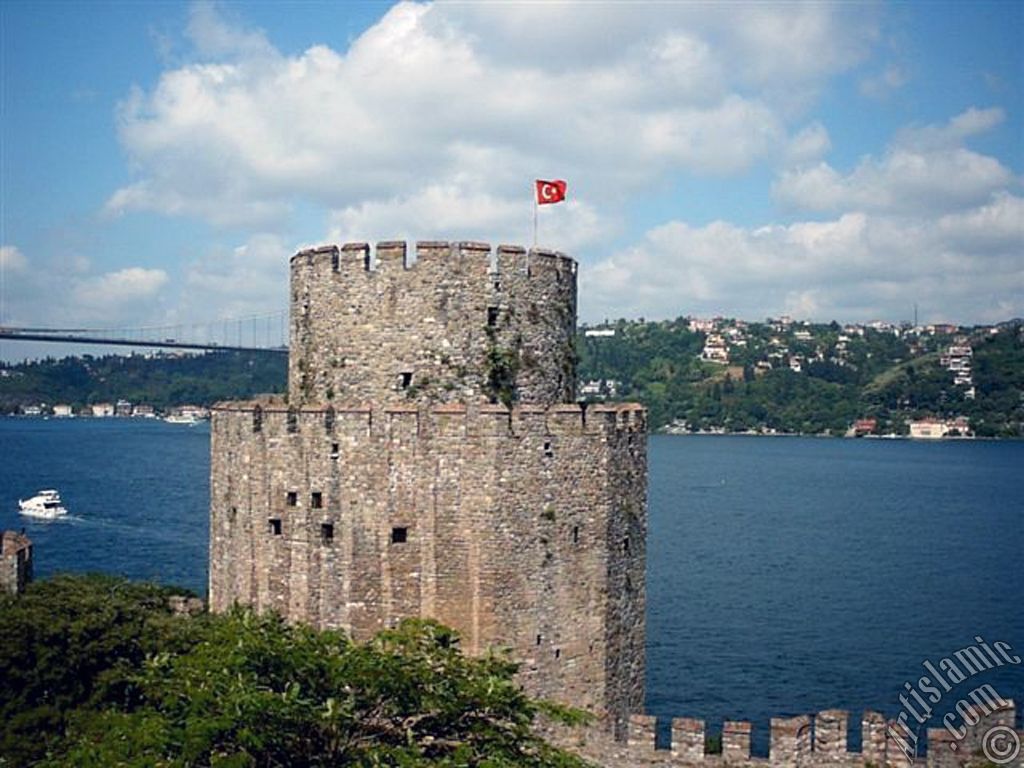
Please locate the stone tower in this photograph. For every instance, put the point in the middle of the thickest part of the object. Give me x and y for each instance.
(430, 460)
(15, 562)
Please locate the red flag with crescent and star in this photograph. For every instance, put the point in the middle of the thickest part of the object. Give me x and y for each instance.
(550, 191)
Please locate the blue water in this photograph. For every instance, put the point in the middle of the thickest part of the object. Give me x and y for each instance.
(785, 575)
(137, 492)
(790, 575)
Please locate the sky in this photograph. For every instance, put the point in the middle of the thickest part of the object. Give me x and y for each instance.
(828, 160)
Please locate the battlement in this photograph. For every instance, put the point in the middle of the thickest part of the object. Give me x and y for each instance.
(464, 256)
(273, 416)
(805, 740)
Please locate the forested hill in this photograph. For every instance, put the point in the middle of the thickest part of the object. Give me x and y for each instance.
(807, 378)
(721, 374)
(161, 380)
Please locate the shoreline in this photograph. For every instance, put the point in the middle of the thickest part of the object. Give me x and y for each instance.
(708, 433)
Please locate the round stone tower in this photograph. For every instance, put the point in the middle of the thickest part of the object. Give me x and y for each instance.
(455, 325)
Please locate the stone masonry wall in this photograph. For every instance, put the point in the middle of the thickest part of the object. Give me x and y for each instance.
(520, 528)
(458, 324)
(817, 741)
(15, 562)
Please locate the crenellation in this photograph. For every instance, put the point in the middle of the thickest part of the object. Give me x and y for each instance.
(872, 739)
(805, 740)
(943, 751)
(899, 741)
(791, 740)
(830, 733)
(736, 741)
(432, 254)
(641, 730)
(390, 255)
(688, 739)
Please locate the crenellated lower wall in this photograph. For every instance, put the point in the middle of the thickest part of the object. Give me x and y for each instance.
(805, 740)
(522, 528)
(460, 323)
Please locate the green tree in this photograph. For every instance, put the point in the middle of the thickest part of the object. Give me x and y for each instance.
(258, 692)
(97, 671)
(71, 642)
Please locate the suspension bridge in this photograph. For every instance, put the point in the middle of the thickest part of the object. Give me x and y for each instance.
(253, 333)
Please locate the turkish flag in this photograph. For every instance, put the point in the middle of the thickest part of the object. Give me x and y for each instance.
(550, 191)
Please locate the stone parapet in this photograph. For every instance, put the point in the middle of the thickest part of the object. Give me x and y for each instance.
(805, 740)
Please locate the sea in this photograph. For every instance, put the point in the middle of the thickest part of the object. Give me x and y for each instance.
(785, 575)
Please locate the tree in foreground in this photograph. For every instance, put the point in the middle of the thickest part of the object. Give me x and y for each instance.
(248, 690)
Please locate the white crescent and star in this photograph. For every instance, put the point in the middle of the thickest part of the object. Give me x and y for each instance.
(548, 191)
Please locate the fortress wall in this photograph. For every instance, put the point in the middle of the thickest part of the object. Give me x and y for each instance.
(441, 328)
(815, 741)
(15, 562)
(493, 521)
(625, 540)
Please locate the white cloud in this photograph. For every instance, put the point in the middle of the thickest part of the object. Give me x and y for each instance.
(132, 284)
(808, 145)
(616, 98)
(212, 35)
(925, 170)
(447, 212)
(951, 134)
(249, 279)
(12, 259)
(433, 123)
(885, 83)
(965, 266)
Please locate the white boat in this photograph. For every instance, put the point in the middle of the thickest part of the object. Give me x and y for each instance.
(182, 419)
(45, 505)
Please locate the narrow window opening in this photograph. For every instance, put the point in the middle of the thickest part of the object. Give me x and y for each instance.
(293, 498)
(575, 534)
(257, 419)
(275, 526)
(492, 317)
(538, 639)
(335, 261)
(625, 545)
(558, 653)
(406, 379)
(327, 533)
(548, 450)
(497, 285)
(329, 420)
(335, 450)
(316, 500)
(293, 421)
(399, 535)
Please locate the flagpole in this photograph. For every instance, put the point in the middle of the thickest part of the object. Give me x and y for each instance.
(535, 216)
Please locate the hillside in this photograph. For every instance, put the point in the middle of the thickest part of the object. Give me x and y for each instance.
(781, 376)
(693, 375)
(162, 381)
